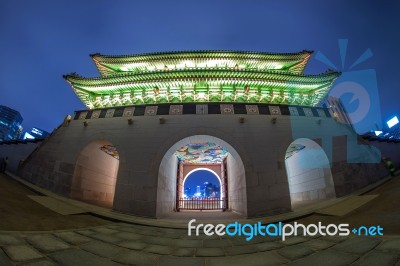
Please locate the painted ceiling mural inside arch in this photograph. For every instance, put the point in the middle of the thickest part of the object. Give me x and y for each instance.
(201, 153)
(110, 150)
(293, 149)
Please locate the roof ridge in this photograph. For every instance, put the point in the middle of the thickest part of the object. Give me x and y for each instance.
(131, 74)
(199, 51)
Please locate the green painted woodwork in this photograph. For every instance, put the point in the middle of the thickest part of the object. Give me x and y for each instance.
(255, 83)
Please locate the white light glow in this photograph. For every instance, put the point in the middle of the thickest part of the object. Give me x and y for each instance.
(186, 63)
(377, 132)
(392, 122)
(28, 136)
(275, 66)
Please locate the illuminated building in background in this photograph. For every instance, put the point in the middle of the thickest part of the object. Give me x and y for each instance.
(36, 133)
(392, 122)
(188, 192)
(202, 76)
(10, 124)
(211, 191)
(391, 133)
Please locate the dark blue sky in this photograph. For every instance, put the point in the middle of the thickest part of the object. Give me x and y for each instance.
(42, 40)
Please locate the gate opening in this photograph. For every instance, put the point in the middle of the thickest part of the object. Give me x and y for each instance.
(195, 152)
(95, 174)
(309, 173)
(202, 179)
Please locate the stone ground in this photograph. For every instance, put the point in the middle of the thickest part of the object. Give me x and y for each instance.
(19, 212)
(128, 244)
(132, 244)
(383, 210)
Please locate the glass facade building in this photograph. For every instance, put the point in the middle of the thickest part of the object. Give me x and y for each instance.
(10, 124)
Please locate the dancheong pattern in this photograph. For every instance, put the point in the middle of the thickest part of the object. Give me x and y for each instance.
(202, 77)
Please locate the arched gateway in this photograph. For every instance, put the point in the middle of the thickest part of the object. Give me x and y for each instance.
(309, 173)
(95, 174)
(197, 152)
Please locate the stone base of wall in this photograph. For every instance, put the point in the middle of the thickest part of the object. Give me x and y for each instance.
(349, 177)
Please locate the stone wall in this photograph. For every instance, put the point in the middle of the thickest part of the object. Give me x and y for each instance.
(16, 153)
(388, 149)
(146, 179)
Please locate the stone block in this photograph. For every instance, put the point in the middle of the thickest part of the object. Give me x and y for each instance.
(22, 253)
(136, 258)
(107, 238)
(101, 249)
(80, 257)
(133, 245)
(209, 252)
(73, 238)
(47, 243)
(4, 260)
(327, 257)
(390, 245)
(173, 261)
(158, 249)
(261, 258)
(380, 258)
(358, 245)
(7, 239)
(295, 251)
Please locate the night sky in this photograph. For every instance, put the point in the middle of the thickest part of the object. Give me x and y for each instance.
(42, 40)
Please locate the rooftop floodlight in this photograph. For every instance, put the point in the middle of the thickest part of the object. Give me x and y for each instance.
(378, 132)
(392, 122)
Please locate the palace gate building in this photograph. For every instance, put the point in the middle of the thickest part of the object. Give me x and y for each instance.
(252, 119)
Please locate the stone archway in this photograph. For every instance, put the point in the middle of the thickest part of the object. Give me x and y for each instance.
(168, 170)
(95, 174)
(309, 173)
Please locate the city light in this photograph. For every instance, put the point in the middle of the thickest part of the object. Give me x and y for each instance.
(377, 132)
(28, 136)
(392, 122)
